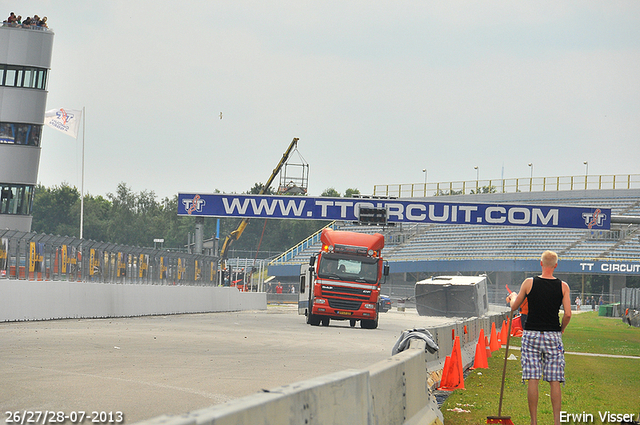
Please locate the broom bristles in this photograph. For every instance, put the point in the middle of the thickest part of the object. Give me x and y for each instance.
(504, 420)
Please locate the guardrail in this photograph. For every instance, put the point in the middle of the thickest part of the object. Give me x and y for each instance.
(528, 184)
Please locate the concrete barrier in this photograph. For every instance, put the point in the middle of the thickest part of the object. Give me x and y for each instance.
(395, 391)
(29, 300)
(389, 392)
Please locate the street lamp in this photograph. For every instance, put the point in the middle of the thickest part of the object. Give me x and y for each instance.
(531, 165)
(477, 178)
(531, 177)
(586, 174)
(424, 170)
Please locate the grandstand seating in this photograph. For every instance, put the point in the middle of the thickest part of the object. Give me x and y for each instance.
(458, 241)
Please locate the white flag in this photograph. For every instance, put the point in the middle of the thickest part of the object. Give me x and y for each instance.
(64, 120)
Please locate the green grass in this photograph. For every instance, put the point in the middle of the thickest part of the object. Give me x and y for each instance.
(594, 384)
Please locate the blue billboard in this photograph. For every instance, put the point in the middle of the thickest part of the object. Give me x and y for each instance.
(398, 210)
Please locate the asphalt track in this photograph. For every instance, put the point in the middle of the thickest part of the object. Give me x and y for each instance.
(149, 366)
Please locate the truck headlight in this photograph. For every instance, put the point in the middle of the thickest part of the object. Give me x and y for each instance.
(370, 306)
(320, 301)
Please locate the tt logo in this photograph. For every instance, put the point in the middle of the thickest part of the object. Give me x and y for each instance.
(594, 219)
(195, 204)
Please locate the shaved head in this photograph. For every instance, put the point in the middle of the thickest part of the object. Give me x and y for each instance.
(549, 259)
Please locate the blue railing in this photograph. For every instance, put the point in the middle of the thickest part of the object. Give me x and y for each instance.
(290, 254)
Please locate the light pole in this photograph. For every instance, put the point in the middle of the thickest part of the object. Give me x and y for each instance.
(477, 178)
(531, 177)
(424, 170)
(586, 173)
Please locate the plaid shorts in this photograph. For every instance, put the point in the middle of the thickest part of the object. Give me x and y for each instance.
(542, 356)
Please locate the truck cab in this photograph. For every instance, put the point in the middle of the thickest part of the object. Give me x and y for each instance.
(342, 281)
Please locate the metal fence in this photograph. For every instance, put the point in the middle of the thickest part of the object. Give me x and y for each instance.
(513, 185)
(33, 256)
(630, 298)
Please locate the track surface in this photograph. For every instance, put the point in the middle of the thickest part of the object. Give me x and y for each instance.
(149, 366)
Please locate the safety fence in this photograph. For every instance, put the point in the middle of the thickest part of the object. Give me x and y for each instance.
(529, 184)
(33, 256)
(630, 298)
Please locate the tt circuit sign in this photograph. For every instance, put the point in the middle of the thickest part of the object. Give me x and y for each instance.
(398, 210)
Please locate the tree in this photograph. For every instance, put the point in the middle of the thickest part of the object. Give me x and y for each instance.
(349, 193)
(53, 210)
(255, 190)
(331, 193)
(97, 214)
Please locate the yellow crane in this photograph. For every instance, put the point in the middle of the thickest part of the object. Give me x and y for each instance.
(235, 235)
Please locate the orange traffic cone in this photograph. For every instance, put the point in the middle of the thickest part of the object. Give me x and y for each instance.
(480, 360)
(503, 333)
(493, 342)
(459, 371)
(452, 376)
(486, 344)
(444, 380)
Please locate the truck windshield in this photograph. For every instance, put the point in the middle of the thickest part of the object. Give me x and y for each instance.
(350, 268)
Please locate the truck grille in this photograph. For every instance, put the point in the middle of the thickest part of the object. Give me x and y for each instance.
(344, 304)
(363, 294)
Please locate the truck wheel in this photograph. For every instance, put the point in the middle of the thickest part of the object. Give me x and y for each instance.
(312, 319)
(369, 324)
(325, 321)
(352, 323)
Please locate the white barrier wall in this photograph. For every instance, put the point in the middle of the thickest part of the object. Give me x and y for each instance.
(28, 300)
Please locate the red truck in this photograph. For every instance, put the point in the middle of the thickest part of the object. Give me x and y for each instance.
(342, 281)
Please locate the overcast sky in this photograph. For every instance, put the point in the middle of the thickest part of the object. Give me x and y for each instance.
(376, 91)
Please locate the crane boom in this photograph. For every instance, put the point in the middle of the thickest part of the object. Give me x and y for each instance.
(235, 235)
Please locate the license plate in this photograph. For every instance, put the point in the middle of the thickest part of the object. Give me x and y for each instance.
(345, 313)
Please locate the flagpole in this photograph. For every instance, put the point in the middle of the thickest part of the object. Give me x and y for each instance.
(82, 180)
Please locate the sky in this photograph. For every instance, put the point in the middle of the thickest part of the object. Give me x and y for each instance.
(376, 91)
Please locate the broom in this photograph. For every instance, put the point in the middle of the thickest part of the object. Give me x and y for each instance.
(505, 420)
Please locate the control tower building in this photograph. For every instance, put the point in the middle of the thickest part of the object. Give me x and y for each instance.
(25, 60)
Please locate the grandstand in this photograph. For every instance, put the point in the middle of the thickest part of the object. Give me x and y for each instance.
(417, 251)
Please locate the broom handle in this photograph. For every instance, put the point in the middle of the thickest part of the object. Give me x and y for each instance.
(504, 369)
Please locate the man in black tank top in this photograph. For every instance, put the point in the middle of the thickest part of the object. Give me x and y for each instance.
(542, 349)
